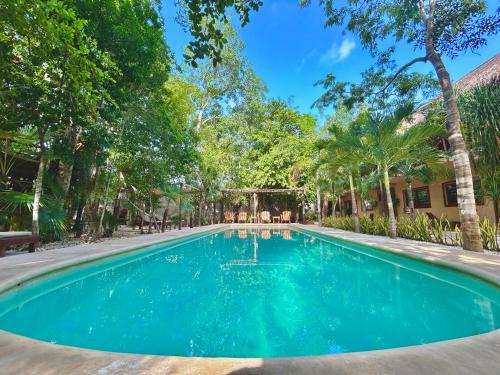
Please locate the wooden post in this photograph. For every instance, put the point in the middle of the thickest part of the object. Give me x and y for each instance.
(221, 211)
(180, 208)
(255, 207)
(303, 208)
(296, 206)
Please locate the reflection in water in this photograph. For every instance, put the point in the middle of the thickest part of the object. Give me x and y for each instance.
(228, 233)
(265, 234)
(287, 234)
(242, 233)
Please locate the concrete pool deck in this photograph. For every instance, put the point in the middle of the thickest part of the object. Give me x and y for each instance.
(472, 355)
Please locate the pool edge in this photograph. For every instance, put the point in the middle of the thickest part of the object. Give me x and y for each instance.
(479, 354)
(484, 276)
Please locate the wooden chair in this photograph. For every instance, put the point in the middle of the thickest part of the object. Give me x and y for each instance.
(228, 217)
(265, 217)
(242, 217)
(286, 216)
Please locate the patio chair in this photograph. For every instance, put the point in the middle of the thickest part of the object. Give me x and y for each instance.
(286, 216)
(265, 217)
(228, 217)
(242, 217)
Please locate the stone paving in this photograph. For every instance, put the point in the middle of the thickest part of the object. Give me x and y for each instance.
(473, 355)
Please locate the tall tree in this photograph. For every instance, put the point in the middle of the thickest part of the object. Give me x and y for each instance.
(47, 60)
(386, 144)
(224, 86)
(438, 27)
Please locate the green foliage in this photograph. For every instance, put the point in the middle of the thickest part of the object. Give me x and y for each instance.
(479, 111)
(457, 26)
(344, 222)
(378, 226)
(489, 234)
(14, 206)
(205, 20)
(420, 229)
(310, 216)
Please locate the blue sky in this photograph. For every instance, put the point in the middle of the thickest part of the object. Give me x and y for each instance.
(290, 50)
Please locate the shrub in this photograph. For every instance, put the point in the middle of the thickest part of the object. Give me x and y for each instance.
(420, 229)
(310, 216)
(344, 222)
(489, 235)
(378, 226)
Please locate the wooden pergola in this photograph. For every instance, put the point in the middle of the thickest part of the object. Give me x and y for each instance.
(255, 191)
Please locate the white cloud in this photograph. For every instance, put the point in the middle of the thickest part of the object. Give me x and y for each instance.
(337, 53)
(305, 59)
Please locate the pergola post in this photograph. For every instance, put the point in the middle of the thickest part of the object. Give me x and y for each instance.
(296, 206)
(180, 209)
(303, 209)
(221, 216)
(255, 207)
(254, 192)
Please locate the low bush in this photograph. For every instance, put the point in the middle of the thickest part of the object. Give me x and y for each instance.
(489, 235)
(339, 222)
(420, 229)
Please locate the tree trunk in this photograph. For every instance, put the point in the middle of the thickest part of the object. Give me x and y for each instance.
(334, 201)
(355, 215)
(65, 170)
(382, 195)
(463, 174)
(117, 210)
(221, 216)
(324, 212)
(78, 226)
(200, 210)
(105, 205)
(165, 216)
(318, 205)
(150, 215)
(143, 216)
(411, 204)
(199, 119)
(390, 207)
(38, 190)
(64, 174)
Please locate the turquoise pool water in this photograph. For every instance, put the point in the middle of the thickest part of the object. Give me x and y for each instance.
(252, 293)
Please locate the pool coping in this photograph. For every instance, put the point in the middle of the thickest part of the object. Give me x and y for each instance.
(476, 354)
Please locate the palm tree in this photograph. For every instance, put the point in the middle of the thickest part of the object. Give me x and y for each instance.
(424, 171)
(386, 144)
(345, 155)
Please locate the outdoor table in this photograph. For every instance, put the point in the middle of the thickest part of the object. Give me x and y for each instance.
(276, 219)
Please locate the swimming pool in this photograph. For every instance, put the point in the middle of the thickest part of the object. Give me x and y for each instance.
(252, 293)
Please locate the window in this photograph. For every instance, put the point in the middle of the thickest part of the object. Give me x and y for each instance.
(442, 144)
(421, 197)
(451, 197)
(450, 194)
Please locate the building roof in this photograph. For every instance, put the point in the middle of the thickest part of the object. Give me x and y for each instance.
(485, 73)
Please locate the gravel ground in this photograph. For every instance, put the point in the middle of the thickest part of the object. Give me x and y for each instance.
(122, 232)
